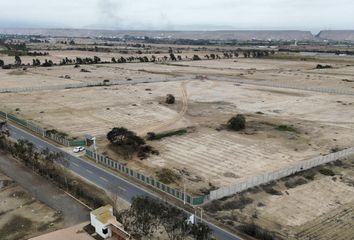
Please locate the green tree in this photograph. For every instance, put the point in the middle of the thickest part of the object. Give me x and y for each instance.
(96, 59)
(145, 213)
(174, 221)
(18, 60)
(173, 57)
(201, 231)
(126, 141)
(79, 60)
(196, 57)
(237, 122)
(47, 63)
(170, 99)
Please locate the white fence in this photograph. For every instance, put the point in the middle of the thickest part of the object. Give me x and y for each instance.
(137, 81)
(295, 87)
(82, 85)
(267, 177)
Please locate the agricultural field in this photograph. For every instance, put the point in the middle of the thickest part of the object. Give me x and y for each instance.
(315, 204)
(208, 93)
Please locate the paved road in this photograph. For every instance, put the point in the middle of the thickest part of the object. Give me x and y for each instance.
(101, 177)
(72, 211)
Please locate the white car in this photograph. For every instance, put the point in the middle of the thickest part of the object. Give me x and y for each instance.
(78, 149)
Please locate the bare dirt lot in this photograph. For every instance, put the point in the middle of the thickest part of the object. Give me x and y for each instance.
(283, 125)
(209, 155)
(316, 204)
(22, 215)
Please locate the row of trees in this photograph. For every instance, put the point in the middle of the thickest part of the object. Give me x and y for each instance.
(51, 166)
(147, 215)
(144, 218)
(171, 57)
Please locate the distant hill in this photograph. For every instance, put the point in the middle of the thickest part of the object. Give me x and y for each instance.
(337, 35)
(208, 35)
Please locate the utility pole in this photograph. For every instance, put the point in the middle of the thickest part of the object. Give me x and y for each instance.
(201, 213)
(184, 191)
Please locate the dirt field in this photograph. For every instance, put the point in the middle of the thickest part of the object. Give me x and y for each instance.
(320, 207)
(283, 126)
(21, 215)
(74, 232)
(207, 153)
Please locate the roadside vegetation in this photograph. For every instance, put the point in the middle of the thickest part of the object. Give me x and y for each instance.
(52, 166)
(158, 136)
(146, 216)
(244, 211)
(18, 50)
(167, 176)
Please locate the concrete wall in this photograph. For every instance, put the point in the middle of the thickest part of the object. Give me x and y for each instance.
(270, 176)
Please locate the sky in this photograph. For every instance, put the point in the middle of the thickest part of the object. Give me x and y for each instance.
(313, 15)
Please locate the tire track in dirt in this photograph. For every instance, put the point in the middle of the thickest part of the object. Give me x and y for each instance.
(168, 123)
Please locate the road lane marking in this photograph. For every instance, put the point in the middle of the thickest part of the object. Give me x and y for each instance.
(75, 164)
(122, 188)
(104, 179)
(89, 171)
(133, 185)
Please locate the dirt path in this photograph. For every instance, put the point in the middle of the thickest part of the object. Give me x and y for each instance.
(164, 126)
(41, 189)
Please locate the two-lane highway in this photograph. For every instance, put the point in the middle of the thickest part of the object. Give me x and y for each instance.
(102, 178)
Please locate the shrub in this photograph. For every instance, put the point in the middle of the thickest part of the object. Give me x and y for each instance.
(213, 206)
(240, 203)
(327, 172)
(55, 132)
(8, 66)
(256, 232)
(320, 66)
(309, 175)
(285, 128)
(335, 149)
(272, 191)
(167, 176)
(292, 183)
(170, 99)
(237, 122)
(150, 136)
(196, 58)
(158, 136)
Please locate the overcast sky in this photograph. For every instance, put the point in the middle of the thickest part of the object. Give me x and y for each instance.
(311, 15)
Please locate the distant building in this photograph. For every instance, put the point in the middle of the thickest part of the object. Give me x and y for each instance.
(106, 225)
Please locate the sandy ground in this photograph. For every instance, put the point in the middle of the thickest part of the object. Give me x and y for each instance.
(324, 121)
(211, 155)
(41, 77)
(297, 207)
(319, 209)
(25, 214)
(75, 232)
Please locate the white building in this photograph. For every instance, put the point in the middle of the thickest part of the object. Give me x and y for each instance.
(106, 225)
